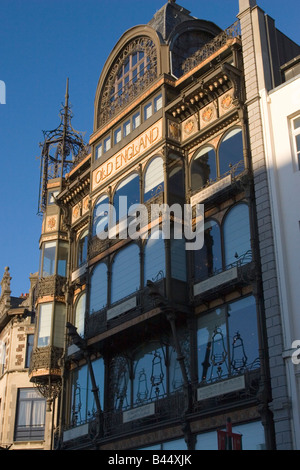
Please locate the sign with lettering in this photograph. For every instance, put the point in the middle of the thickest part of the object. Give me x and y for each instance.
(128, 154)
(138, 413)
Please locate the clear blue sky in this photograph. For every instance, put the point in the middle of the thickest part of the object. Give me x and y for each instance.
(42, 42)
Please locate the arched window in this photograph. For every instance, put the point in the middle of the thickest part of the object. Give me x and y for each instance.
(236, 231)
(127, 194)
(125, 273)
(80, 314)
(100, 215)
(154, 258)
(203, 168)
(82, 248)
(154, 179)
(98, 291)
(208, 259)
(230, 150)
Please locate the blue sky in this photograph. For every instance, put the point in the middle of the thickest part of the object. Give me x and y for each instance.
(42, 42)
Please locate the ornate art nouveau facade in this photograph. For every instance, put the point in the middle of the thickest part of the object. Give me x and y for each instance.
(163, 343)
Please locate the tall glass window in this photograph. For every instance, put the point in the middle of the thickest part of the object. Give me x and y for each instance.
(98, 290)
(154, 258)
(80, 314)
(203, 168)
(228, 341)
(82, 248)
(237, 245)
(231, 150)
(83, 405)
(101, 215)
(59, 325)
(30, 419)
(45, 322)
(208, 260)
(125, 273)
(48, 259)
(150, 375)
(129, 190)
(62, 258)
(154, 179)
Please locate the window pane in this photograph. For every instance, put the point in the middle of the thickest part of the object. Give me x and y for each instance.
(98, 369)
(157, 103)
(120, 383)
(52, 195)
(297, 123)
(98, 291)
(208, 260)
(98, 152)
(83, 248)
(154, 258)
(45, 318)
(129, 190)
(59, 325)
(80, 314)
(178, 259)
(231, 151)
(237, 235)
(125, 273)
(176, 380)
(136, 120)
(29, 348)
(242, 333)
(178, 444)
(62, 259)
(298, 142)
(203, 168)
(147, 111)
(79, 396)
(49, 259)
(212, 346)
(101, 215)
(149, 370)
(117, 135)
(126, 128)
(154, 179)
(107, 144)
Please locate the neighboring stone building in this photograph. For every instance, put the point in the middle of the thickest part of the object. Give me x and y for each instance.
(22, 408)
(165, 342)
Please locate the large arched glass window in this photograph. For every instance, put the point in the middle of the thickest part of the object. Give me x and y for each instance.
(80, 314)
(125, 273)
(208, 259)
(101, 215)
(231, 151)
(150, 374)
(127, 194)
(154, 258)
(203, 168)
(236, 232)
(82, 248)
(154, 179)
(98, 291)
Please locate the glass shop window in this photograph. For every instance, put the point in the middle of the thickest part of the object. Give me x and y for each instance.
(228, 341)
(154, 258)
(49, 258)
(154, 179)
(82, 248)
(98, 290)
(80, 314)
(45, 322)
(204, 168)
(125, 273)
(231, 151)
(236, 231)
(208, 260)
